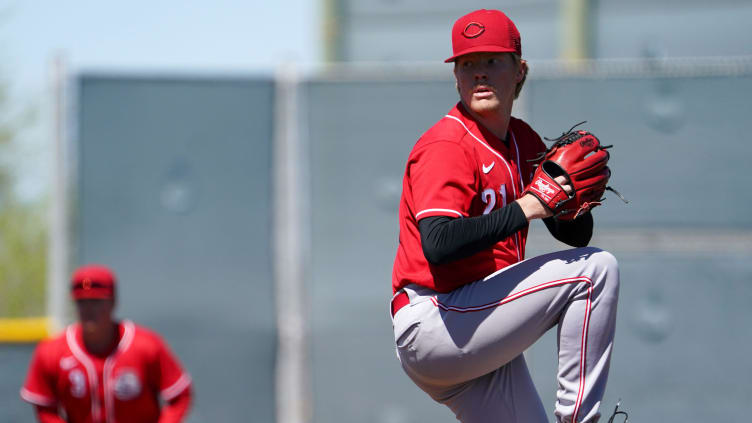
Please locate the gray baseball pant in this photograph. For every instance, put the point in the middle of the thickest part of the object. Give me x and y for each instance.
(464, 348)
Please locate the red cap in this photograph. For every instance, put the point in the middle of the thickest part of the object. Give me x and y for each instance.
(484, 31)
(93, 281)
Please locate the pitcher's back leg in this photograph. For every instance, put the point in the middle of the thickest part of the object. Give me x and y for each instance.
(504, 395)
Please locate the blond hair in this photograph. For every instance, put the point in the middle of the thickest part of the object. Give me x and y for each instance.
(518, 60)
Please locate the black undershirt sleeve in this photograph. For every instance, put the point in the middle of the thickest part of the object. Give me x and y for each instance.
(445, 239)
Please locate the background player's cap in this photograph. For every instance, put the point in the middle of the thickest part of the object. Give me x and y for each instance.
(484, 31)
(93, 281)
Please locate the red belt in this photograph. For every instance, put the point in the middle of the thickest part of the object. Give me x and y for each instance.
(399, 301)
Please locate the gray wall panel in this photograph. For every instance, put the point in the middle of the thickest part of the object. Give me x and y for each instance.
(14, 362)
(174, 193)
(421, 30)
(679, 144)
(680, 347)
(360, 135)
(669, 28)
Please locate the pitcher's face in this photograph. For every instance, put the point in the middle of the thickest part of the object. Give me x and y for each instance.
(486, 82)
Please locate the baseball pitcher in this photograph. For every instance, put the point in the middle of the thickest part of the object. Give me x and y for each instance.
(466, 302)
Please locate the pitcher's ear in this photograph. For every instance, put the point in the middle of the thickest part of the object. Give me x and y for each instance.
(522, 71)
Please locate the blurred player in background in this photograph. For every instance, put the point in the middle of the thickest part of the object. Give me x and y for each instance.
(104, 370)
(466, 303)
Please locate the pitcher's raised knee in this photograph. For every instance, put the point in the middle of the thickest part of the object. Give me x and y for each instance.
(607, 274)
(607, 260)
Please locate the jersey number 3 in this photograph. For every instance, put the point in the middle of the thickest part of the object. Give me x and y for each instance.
(489, 198)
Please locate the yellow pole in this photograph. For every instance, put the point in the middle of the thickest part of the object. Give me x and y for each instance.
(575, 30)
(23, 330)
(331, 31)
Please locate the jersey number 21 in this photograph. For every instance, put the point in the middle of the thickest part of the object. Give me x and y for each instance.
(489, 198)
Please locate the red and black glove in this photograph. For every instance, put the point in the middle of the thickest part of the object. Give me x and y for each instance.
(580, 157)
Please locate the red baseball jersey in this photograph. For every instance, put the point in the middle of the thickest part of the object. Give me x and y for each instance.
(460, 169)
(125, 386)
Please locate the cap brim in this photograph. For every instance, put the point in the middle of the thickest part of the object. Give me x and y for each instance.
(481, 49)
(93, 294)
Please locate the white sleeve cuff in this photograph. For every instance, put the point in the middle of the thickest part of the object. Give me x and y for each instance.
(37, 399)
(176, 388)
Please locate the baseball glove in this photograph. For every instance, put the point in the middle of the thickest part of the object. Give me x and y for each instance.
(581, 157)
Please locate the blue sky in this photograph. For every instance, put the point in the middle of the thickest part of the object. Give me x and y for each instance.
(221, 34)
(165, 36)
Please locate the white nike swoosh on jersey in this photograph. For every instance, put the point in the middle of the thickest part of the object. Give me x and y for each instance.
(488, 168)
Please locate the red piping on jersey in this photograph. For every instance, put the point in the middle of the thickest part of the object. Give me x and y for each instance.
(524, 292)
(518, 242)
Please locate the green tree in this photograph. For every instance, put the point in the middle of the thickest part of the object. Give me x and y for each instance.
(23, 230)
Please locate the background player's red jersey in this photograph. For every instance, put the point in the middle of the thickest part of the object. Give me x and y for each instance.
(460, 169)
(125, 386)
